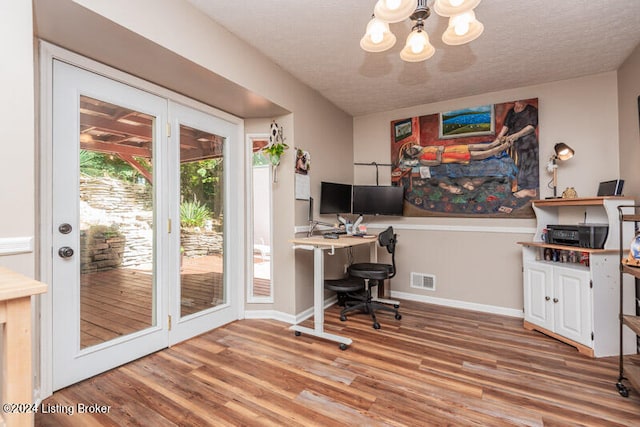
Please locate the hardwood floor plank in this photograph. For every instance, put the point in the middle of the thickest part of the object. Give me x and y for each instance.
(438, 366)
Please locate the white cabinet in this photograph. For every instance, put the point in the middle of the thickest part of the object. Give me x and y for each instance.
(559, 300)
(576, 303)
(572, 304)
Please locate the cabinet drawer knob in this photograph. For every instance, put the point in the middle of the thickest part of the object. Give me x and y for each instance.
(555, 300)
(547, 298)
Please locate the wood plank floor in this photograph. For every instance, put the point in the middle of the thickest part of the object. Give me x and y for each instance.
(437, 366)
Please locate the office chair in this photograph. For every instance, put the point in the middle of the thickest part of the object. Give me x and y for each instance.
(374, 274)
(348, 289)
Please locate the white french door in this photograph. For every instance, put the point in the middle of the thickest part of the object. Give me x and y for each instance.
(132, 272)
(200, 147)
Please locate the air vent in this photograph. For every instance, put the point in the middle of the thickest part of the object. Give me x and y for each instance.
(423, 281)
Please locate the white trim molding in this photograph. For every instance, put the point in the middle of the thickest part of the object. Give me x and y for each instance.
(434, 227)
(454, 228)
(493, 309)
(285, 317)
(16, 245)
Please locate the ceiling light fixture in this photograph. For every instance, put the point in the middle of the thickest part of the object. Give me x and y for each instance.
(463, 26)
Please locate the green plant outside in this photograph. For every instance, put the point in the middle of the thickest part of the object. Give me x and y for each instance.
(193, 214)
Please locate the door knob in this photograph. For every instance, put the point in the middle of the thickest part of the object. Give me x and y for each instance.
(65, 252)
(65, 228)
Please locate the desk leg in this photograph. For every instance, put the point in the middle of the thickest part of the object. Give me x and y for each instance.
(318, 305)
(16, 360)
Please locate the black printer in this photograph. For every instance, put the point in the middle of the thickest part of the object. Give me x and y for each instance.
(592, 236)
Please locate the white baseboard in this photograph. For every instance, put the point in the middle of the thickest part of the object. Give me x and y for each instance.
(285, 317)
(271, 315)
(493, 309)
(291, 319)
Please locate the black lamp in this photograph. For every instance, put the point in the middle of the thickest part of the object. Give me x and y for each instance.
(562, 152)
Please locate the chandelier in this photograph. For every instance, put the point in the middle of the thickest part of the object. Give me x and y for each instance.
(463, 26)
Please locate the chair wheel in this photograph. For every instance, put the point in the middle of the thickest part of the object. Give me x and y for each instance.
(343, 318)
(343, 346)
(396, 305)
(298, 333)
(398, 316)
(376, 325)
(622, 389)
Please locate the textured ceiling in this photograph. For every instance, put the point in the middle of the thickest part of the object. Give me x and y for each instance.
(525, 42)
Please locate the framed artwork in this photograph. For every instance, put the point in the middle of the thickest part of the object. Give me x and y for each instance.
(402, 129)
(463, 163)
(467, 122)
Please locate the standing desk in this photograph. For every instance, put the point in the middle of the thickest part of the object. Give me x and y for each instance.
(319, 245)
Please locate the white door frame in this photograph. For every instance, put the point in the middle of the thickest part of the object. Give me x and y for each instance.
(43, 384)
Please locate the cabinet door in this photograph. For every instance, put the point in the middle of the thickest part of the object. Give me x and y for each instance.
(572, 304)
(538, 291)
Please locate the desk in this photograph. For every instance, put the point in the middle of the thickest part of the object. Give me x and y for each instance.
(15, 357)
(319, 245)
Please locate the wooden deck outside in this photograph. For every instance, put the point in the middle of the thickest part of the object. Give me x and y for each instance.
(119, 302)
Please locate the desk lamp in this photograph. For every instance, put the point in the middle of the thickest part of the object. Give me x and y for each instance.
(562, 152)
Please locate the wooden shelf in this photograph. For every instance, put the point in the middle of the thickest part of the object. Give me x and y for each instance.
(634, 271)
(631, 218)
(633, 322)
(632, 370)
(568, 248)
(580, 201)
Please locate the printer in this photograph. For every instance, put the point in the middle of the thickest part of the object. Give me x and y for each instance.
(592, 236)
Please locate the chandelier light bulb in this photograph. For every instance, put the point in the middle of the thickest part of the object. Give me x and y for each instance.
(392, 4)
(462, 29)
(449, 8)
(377, 37)
(461, 23)
(376, 30)
(417, 47)
(394, 10)
(417, 41)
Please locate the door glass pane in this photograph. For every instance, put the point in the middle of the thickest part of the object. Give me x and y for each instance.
(261, 286)
(201, 221)
(117, 292)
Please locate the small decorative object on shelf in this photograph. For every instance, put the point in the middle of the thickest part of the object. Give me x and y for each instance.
(633, 260)
(569, 193)
(275, 148)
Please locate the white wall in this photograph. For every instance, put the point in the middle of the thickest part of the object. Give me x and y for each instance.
(485, 267)
(17, 174)
(628, 92)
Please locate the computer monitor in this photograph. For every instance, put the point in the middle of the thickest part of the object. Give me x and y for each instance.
(378, 200)
(335, 198)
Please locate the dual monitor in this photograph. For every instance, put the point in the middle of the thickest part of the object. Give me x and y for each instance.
(361, 199)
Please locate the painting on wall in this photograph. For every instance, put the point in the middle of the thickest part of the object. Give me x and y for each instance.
(472, 162)
(467, 122)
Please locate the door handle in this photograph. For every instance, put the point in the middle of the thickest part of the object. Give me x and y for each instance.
(65, 228)
(65, 252)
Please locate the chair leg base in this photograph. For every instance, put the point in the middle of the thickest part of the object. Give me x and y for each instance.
(369, 307)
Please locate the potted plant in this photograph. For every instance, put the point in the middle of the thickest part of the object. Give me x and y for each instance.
(275, 148)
